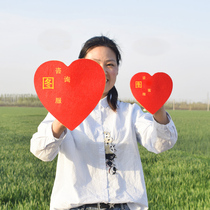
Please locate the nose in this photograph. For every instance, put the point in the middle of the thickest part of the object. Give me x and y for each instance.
(104, 68)
(105, 72)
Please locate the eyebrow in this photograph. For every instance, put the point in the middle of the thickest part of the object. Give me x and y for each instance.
(106, 60)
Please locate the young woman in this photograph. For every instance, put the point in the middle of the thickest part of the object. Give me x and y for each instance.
(98, 162)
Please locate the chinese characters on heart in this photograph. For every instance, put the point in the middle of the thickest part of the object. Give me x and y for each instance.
(49, 83)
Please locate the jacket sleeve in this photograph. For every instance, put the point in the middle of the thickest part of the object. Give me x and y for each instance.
(43, 144)
(153, 136)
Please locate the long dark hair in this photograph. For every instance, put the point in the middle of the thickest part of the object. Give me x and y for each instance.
(106, 42)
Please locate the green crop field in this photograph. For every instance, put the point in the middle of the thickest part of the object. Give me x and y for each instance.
(175, 179)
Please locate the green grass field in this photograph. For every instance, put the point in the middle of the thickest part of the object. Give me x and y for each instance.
(175, 179)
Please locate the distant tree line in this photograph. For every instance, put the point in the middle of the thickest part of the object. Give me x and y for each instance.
(31, 100)
(172, 105)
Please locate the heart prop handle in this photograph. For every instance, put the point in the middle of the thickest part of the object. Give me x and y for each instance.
(151, 91)
(70, 93)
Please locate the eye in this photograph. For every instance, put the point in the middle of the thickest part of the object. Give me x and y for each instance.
(110, 64)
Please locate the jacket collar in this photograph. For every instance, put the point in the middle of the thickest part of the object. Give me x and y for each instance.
(103, 102)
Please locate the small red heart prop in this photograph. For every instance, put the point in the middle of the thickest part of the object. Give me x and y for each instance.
(70, 93)
(151, 91)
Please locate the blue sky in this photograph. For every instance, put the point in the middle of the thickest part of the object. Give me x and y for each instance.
(154, 36)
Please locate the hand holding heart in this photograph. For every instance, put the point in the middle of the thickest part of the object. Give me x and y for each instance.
(151, 91)
(70, 93)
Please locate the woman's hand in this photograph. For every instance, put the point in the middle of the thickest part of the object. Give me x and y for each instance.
(57, 128)
(161, 116)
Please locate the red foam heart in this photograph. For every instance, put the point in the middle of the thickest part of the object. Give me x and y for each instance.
(70, 93)
(151, 91)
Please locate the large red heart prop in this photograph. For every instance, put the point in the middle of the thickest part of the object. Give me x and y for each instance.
(70, 93)
(151, 91)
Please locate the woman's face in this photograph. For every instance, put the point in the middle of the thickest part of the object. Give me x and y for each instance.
(106, 58)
